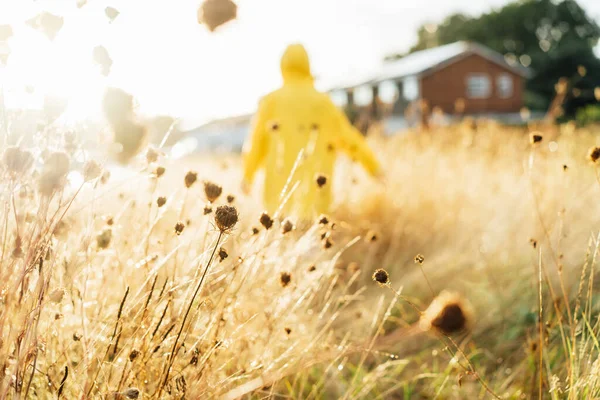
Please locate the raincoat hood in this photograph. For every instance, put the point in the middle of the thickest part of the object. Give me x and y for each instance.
(295, 64)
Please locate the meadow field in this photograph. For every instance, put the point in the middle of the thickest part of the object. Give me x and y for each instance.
(170, 283)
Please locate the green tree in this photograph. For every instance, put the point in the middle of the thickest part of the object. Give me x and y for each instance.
(554, 39)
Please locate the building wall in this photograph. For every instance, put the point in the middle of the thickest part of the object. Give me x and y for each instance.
(442, 88)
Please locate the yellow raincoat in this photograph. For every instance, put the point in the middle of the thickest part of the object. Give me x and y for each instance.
(293, 118)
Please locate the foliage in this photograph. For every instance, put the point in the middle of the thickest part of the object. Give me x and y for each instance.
(554, 39)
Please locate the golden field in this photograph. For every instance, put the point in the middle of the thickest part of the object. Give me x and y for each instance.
(99, 285)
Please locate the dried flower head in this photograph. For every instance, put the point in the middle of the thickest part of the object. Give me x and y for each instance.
(226, 217)
(419, 259)
(371, 236)
(321, 180)
(133, 355)
(230, 198)
(323, 219)
(287, 226)
(190, 178)
(212, 191)
(312, 267)
(132, 393)
(285, 278)
(381, 276)
(160, 171)
(255, 230)
(17, 161)
(91, 170)
(103, 238)
(161, 201)
(535, 137)
(288, 330)
(214, 13)
(594, 154)
(53, 175)
(179, 228)
(327, 243)
(151, 155)
(448, 313)
(266, 220)
(57, 295)
(223, 254)
(207, 209)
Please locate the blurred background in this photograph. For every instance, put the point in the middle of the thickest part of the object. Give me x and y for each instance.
(59, 57)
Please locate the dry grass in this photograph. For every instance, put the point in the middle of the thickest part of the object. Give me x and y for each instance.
(97, 279)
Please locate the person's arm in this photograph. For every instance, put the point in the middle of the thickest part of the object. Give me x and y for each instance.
(255, 148)
(355, 146)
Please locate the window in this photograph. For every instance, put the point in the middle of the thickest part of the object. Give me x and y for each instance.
(410, 89)
(504, 86)
(478, 86)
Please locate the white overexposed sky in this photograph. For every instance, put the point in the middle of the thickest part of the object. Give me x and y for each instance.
(175, 66)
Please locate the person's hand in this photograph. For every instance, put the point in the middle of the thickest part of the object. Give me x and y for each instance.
(246, 187)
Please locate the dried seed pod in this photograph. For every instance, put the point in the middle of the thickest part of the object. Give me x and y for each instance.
(223, 254)
(179, 228)
(448, 313)
(17, 161)
(161, 201)
(535, 137)
(214, 13)
(226, 217)
(266, 220)
(160, 171)
(190, 178)
(381, 276)
(594, 154)
(285, 278)
(287, 226)
(212, 191)
(321, 180)
(91, 170)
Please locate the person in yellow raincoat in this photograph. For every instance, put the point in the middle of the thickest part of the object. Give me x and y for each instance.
(296, 118)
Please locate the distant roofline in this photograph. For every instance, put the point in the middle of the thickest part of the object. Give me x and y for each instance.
(469, 49)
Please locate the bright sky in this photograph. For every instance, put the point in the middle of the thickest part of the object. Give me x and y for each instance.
(175, 66)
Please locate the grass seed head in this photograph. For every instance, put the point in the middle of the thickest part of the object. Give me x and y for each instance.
(190, 178)
(212, 191)
(226, 217)
(381, 276)
(266, 220)
(448, 314)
